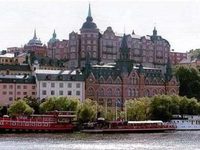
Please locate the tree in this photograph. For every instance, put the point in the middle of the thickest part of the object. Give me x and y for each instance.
(161, 107)
(87, 111)
(138, 109)
(19, 108)
(33, 103)
(189, 82)
(59, 103)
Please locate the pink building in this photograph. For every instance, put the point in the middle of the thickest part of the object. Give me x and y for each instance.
(176, 57)
(57, 49)
(16, 86)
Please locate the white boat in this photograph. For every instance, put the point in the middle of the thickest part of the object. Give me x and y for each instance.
(186, 122)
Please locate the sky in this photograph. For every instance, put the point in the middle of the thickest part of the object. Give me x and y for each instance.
(178, 21)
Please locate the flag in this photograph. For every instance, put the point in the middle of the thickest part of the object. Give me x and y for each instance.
(118, 103)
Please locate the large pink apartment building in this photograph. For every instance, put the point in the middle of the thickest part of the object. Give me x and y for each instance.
(16, 86)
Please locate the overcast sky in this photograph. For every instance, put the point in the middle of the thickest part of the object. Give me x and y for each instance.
(178, 21)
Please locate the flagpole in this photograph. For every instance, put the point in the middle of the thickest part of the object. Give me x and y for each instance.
(125, 112)
(116, 110)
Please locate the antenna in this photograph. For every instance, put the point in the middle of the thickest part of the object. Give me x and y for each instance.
(124, 29)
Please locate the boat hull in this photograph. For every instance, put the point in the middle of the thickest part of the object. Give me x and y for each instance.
(150, 130)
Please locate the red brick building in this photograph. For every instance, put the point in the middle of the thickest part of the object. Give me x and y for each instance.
(124, 79)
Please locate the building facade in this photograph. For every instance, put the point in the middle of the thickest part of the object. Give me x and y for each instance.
(57, 49)
(68, 83)
(35, 46)
(104, 47)
(13, 87)
(124, 80)
(177, 57)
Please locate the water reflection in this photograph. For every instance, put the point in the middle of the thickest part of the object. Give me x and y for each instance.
(77, 141)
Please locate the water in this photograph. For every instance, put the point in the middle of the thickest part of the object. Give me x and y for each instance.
(182, 140)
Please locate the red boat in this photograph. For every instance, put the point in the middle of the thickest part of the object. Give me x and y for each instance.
(57, 121)
(130, 127)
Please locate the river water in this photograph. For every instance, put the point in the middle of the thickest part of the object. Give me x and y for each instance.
(181, 140)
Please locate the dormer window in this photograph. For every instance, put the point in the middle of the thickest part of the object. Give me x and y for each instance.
(60, 77)
(48, 77)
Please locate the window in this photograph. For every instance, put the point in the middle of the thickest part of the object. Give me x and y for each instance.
(109, 92)
(18, 87)
(44, 92)
(44, 84)
(52, 92)
(52, 84)
(18, 93)
(78, 85)
(10, 98)
(118, 92)
(60, 92)
(69, 92)
(33, 93)
(4, 86)
(33, 87)
(25, 87)
(25, 93)
(78, 92)
(10, 86)
(4, 92)
(61, 85)
(69, 85)
(10, 93)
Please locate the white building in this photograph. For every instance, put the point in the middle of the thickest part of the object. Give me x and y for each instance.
(68, 83)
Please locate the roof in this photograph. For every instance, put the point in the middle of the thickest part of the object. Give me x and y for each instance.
(24, 79)
(61, 72)
(22, 67)
(8, 55)
(59, 75)
(144, 122)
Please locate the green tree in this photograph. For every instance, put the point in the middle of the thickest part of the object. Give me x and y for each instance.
(138, 109)
(33, 103)
(59, 103)
(161, 107)
(189, 81)
(87, 111)
(20, 107)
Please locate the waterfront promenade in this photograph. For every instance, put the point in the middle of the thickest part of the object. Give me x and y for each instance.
(187, 140)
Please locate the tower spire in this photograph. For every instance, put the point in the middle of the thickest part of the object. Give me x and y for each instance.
(154, 31)
(54, 33)
(35, 37)
(89, 11)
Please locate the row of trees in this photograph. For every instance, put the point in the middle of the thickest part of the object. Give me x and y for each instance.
(189, 79)
(160, 107)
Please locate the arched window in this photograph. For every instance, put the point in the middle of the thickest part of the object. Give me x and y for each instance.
(172, 91)
(129, 92)
(109, 80)
(118, 92)
(101, 92)
(134, 81)
(155, 81)
(91, 92)
(133, 92)
(109, 92)
(118, 81)
(101, 80)
(155, 92)
(162, 91)
(136, 93)
(147, 93)
(147, 81)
